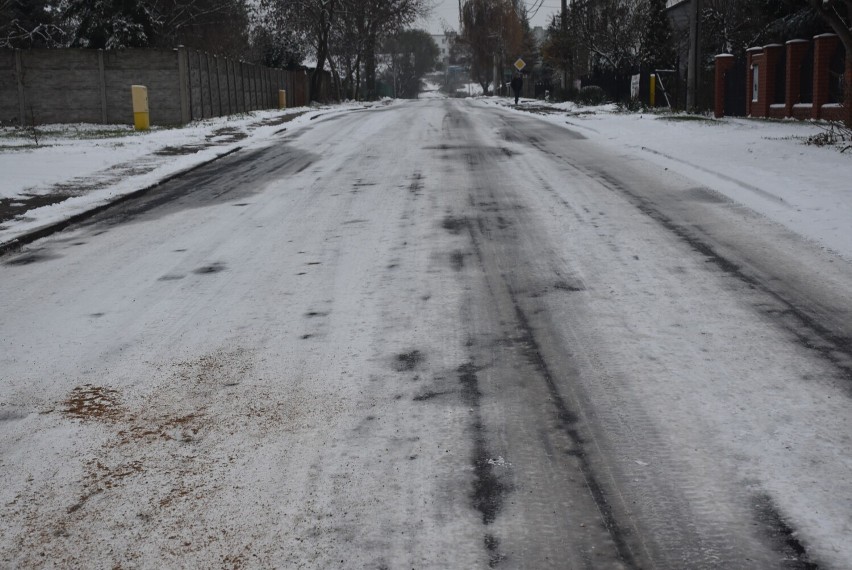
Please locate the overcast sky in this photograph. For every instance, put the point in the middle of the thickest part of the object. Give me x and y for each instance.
(448, 11)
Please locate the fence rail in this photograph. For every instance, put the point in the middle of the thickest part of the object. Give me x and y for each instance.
(93, 86)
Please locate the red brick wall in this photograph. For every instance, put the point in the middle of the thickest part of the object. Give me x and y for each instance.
(755, 57)
(768, 72)
(847, 116)
(824, 47)
(766, 60)
(796, 51)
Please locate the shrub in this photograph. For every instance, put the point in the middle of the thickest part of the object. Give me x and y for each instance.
(631, 105)
(592, 95)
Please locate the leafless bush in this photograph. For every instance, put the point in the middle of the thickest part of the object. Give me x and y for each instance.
(832, 134)
(32, 129)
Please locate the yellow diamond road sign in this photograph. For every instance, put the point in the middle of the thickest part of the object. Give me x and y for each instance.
(520, 64)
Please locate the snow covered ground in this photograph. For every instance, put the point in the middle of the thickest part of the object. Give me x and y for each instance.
(764, 165)
(423, 336)
(83, 166)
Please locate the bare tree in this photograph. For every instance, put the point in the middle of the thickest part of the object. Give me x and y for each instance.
(346, 50)
(838, 14)
(312, 22)
(29, 23)
(560, 50)
(611, 31)
(491, 30)
(413, 54)
(344, 34)
(374, 20)
(217, 26)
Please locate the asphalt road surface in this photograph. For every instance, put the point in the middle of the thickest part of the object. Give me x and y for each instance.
(434, 335)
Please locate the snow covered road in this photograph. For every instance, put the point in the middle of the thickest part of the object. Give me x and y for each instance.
(432, 335)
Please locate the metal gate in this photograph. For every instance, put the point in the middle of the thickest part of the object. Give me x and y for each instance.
(735, 89)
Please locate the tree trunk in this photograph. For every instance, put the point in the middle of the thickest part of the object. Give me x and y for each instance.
(845, 35)
(370, 68)
(847, 99)
(323, 31)
(316, 76)
(356, 87)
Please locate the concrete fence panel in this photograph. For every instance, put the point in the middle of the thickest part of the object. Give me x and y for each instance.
(10, 109)
(155, 69)
(61, 86)
(78, 85)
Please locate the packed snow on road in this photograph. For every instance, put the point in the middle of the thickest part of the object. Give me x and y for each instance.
(430, 334)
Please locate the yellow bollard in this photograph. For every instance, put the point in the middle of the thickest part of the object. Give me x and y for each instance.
(141, 117)
(653, 93)
(282, 98)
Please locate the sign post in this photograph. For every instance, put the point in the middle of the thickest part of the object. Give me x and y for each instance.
(520, 65)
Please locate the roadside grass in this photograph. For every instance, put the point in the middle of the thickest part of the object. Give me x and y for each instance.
(29, 138)
(687, 117)
(25, 146)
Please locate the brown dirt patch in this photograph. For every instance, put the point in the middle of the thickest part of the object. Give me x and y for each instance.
(88, 402)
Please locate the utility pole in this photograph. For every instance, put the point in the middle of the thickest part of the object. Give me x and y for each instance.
(693, 72)
(564, 28)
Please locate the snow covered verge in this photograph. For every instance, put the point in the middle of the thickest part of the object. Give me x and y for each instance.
(766, 166)
(55, 172)
(63, 170)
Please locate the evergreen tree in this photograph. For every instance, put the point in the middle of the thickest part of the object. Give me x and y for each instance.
(277, 48)
(109, 24)
(658, 47)
(559, 50)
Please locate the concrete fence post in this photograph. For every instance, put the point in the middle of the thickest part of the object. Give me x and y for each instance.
(200, 85)
(253, 86)
(183, 81)
(228, 84)
(238, 98)
(209, 84)
(102, 79)
(218, 84)
(267, 88)
(256, 91)
(261, 92)
(19, 75)
(244, 80)
(258, 84)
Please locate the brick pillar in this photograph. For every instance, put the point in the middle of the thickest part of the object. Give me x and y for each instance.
(771, 55)
(753, 55)
(824, 47)
(847, 104)
(796, 51)
(724, 62)
(764, 87)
